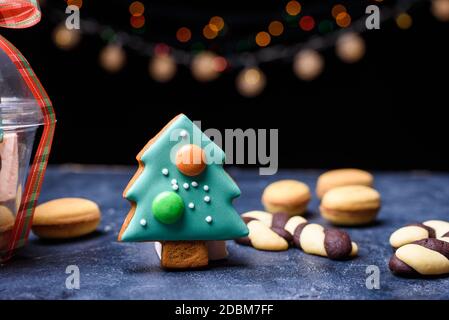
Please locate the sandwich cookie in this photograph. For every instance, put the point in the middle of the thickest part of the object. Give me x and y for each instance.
(350, 205)
(286, 196)
(66, 218)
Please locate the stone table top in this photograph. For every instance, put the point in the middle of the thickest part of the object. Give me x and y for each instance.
(113, 270)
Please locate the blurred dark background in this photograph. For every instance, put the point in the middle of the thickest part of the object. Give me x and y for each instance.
(387, 111)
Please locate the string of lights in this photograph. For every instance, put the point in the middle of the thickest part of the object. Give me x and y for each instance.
(207, 65)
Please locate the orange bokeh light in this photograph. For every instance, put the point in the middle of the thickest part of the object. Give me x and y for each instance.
(338, 8)
(276, 28)
(78, 3)
(343, 19)
(216, 23)
(404, 21)
(136, 8)
(183, 34)
(208, 33)
(293, 8)
(263, 39)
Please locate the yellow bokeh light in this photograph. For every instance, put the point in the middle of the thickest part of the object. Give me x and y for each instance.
(343, 20)
(216, 23)
(263, 39)
(208, 33)
(338, 8)
(136, 8)
(293, 8)
(183, 34)
(404, 21)
(276, 28)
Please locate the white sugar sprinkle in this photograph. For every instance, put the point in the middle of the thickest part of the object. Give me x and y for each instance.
(208, 219)
(183, 133)
(143, 222)
(191, 205)
(174, 181)
(165, 171)
(185, 186)
(206, 188)
(206, 199)
(194, 184)
(175, 187)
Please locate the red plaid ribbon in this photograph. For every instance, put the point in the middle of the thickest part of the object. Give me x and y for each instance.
(19, 14)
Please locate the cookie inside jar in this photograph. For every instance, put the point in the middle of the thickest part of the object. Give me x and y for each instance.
(18, 127)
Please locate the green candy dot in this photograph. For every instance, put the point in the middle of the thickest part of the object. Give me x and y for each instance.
(168, 207)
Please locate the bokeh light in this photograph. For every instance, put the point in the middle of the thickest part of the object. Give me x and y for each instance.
(220, 64)
(326, 26)
(263, 39)
(440, 9)
(161, 49)
(308, 64)
(343, 20)
(78, 3)
(162, 68)
(307, 23)
(216, 24)
(276, 28)
(137, 22)
(350, 47)
(136, 8)
(404, 21)
(183, 34)
(338, 8)
(112, 58)
(293, 8)
(64, 38)
(250, 82)
(204, 66)
(209, 33)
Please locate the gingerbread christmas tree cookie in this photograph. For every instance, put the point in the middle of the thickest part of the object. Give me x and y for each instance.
(181, 196)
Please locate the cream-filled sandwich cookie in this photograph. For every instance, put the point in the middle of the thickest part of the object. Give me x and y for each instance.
(66, 218)
(351, 205)
(342, 177)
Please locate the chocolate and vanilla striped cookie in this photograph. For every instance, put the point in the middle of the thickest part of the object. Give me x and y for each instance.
(277, 232)
(419, 231)
(265, 232)
(427, 257)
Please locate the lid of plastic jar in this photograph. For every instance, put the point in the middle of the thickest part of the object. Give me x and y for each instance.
(18, 108)
(19, 113)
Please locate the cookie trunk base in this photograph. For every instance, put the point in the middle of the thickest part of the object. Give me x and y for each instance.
(184, 254)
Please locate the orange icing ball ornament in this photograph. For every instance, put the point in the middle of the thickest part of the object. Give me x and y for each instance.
(191, 160)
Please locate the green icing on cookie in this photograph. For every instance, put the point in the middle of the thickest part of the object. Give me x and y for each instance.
(161, 175)
(168, 207)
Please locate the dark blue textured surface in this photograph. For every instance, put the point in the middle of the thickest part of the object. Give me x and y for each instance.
(112, 270)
